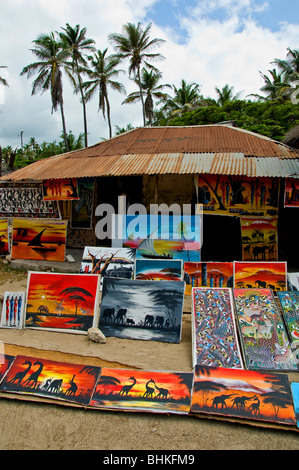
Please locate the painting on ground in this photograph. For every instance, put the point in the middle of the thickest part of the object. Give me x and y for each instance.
(26, 201)
(214, 334)
(39, 240)
(264, 338)
(289, 302)
(238, 195)
(62, 302)
(291, 193)
(259, 239)
(5, 363)
(4, 237)
(139, 390)
(145, 310)
(293, 281)
(243, 394)
(295, 393)
(159, 270)
(110, 262)
(208, 274)
(163, 237)
(82, 209)
(51, 379)
(13, 308)
(60, 189)
(260, 274)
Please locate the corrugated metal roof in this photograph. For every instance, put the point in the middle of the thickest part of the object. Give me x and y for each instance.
(214, 149)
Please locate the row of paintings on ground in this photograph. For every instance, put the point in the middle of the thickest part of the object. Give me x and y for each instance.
(242, 394)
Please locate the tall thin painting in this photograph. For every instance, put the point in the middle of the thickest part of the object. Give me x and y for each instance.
(289, 302)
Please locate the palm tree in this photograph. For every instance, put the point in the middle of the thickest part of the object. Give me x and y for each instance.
(150, 90)
(226, 95)
(275, 87)
(290, 68)
(52, 59)
(186, 98)
(135, 45)
(102, 75)
(75, 41)
(2, 80)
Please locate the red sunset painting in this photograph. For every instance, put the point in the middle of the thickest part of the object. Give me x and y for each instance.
(272, 275)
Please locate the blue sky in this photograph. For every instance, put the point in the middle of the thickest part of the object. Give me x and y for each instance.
(209, 42)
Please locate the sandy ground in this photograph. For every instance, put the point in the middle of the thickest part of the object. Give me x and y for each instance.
(28, 425)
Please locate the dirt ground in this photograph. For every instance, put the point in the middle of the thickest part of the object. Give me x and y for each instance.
(31, 425)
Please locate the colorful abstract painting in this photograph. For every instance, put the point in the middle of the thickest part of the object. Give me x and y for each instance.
(289, 302)
(139, 390)
(295, 393)
(82, 209)
(13, 308)
(60, 189)
(259, 239)
(291, 192)
(243, 394)
(159, 270)
(62, 302)
(39, 240)
(110, 262)
(5, 363)
(214, 333)
(208, 274)
(263, 335)
(51, 379)
(26, 201)
(145, 310)
(4, 237)
(238, 195)
(260, 274)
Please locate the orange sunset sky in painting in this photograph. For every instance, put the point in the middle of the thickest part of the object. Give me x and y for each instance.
(249, 272)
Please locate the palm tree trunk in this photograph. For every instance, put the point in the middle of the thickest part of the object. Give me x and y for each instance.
(84, 107)
(108, 116)
(63, 126)
(141, 95)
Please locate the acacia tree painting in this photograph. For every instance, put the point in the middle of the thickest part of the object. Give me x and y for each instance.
(77, 295)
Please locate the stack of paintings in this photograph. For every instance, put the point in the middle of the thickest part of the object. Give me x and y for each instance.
(208, 274)
(159, 270)
(110, 262)
(243, 394)
(263, 335)
(215, 340)
(145, 310)
(260, 274)
(289, 302)
(13, 307)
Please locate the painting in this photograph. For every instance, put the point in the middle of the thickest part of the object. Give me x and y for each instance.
(234, 393)
(38, 239)
(291, 192)
(5, 363)
(139, 390)
(159, 269)
(295, 393)
(238, 195)
(260, 274)
(214, 334)
(163, 237)
(145, 310)
(51, 379)
(289, 302)
(110, 262)
(263, 335)
(259, 239)
(60, 189)
(208, 274)
(13, 308)
(82, 209)
(61, 302)
(26, 201)
(4, 237)
(293, 281)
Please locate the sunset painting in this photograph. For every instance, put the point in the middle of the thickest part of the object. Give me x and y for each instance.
(5, 363)
(51, 379)
(60, 189)
(138, 390)
(243, 394)
(208, 274)
(259, 239)
(159, 270)
(260, 274)
(38, 239)
(4, 242)
(64, 302)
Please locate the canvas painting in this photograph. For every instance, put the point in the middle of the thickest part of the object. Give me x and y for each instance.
(26, 201)
(82, 209)
(295, 393)
(289, 302)
(60, 189)
(260, 274)
(145, 310)
(110, 262)
(263, 335)
(159, 270)
(259, 239)
(139, 390)
(252, 395)
(4, 237)
(214, 334)
(208, 274)
(62, 302)
(238, 195)
(5, 363)
(39, 240)
(293, 281)
(51, 379)
(291, 192)
(13, 308)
